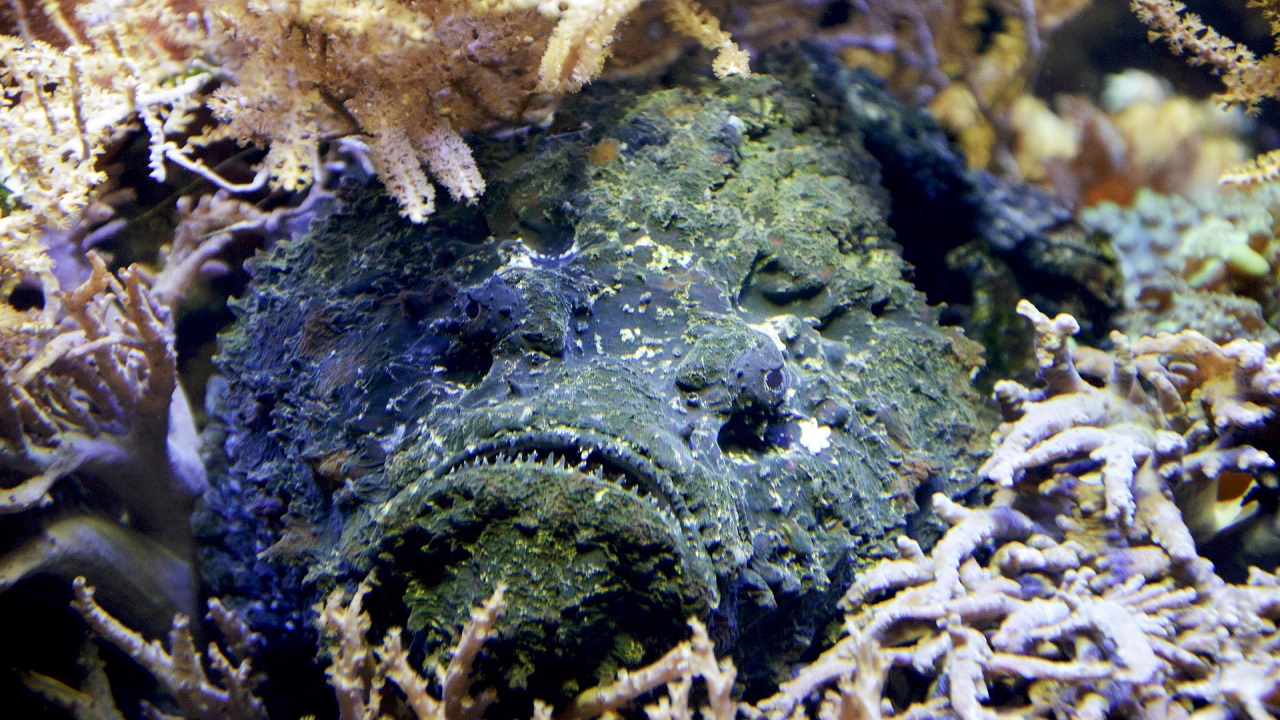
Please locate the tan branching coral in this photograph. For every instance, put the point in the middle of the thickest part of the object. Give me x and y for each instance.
(579, 44)
(180, 670)
(1248, 78)
(99, 454)
(90, 701)
(93, 390)
(71, 86)
(411, 77)
(676, 671)
(359, 673)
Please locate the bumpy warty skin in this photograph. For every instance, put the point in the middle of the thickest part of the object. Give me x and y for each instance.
(670, 365)
(977, 242)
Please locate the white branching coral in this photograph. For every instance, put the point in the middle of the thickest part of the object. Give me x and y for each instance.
(1189, 428)
(359, 673)
(1116, 426)
(1074, 594)
(1063, 618)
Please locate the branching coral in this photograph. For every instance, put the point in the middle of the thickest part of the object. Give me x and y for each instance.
(411, 76)
(99, 454)
(90, 392)
(1190, 429)
(1052, 621)
(90, 388)
(359, 673)
(1078, 591)
(71, 86)
(1248, 78)
(408, 76)
(179, 670)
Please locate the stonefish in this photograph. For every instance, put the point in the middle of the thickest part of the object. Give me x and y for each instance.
(671, 365)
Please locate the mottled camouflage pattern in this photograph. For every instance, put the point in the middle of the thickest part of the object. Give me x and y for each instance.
(670, 365)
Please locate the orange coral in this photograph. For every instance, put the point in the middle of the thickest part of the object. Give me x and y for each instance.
(1247, 77)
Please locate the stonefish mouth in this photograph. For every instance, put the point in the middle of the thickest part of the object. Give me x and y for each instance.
(593, 541)
(588, 453)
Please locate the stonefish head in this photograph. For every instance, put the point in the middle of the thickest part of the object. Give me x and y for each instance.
(670, 365)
